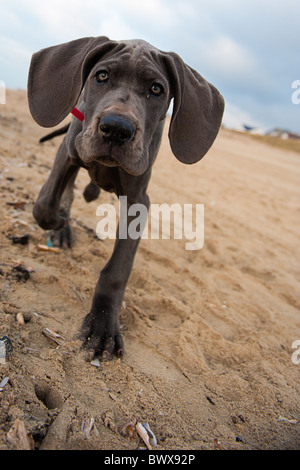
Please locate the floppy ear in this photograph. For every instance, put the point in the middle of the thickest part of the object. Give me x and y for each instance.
(197, 112)
(57, 75)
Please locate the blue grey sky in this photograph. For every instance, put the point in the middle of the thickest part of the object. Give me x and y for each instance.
(249, 49)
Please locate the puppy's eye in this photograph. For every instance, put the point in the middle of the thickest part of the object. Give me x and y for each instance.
(101, 76)
(156, 89)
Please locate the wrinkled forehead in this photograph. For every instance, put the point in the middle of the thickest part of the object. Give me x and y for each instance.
(135, 57)
(134, 50)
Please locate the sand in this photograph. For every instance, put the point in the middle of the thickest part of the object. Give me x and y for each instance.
(208, 333)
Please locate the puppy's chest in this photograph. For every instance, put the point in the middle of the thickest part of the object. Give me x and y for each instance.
(105, 178)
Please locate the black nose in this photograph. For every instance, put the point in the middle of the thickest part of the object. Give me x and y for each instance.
(116, 129)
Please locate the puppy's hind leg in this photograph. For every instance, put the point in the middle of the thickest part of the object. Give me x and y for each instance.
(91, 192)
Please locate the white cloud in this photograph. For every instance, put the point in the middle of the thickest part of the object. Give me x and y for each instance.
(118, 19)
(159, 14)
(14, 62)
(116, 28)
(247, 49)
(235, 118)
(12, 48)
(228, 58)
(61, 20)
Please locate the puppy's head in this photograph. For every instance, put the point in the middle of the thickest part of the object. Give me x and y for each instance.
(124, 89)
(125, 99)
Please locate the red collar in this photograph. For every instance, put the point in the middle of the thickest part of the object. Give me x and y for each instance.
(78, 114)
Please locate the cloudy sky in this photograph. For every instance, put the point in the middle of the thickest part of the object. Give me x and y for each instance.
(249, 49)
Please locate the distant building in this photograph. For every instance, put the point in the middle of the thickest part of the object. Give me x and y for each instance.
(283, 134)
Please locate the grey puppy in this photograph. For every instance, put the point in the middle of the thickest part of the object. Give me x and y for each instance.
(123, 89)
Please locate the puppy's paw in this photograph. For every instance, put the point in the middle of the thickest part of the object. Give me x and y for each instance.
(63, 237)
(100, 335)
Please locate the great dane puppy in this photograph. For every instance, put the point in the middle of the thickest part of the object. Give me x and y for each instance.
(123, 90)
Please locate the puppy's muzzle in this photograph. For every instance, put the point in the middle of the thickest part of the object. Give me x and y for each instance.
(116, 130)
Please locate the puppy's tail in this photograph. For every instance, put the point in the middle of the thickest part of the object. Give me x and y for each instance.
(60, 131)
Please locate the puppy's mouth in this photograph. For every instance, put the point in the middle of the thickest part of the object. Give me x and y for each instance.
(107, 160)
(94, 152)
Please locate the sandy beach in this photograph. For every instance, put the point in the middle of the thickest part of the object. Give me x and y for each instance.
(208, 333)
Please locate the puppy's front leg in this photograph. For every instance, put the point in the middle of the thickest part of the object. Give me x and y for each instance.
(100, 329)
(47, 210)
